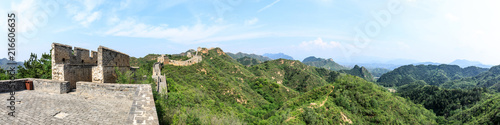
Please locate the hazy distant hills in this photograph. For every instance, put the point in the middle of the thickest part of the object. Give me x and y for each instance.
(465, 63)
(254, 56)
(323, 63)
(393, 64)
(278, 56)
(431, 74)
(4, 61)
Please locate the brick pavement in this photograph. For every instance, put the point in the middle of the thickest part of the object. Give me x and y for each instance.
(35, 107)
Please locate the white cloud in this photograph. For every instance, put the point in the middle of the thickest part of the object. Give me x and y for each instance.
(85, 12)
(182, 34)
(125, 4)
(319, 43)
(251, 21)
(91, 4)
(25, 12)
(451, 17)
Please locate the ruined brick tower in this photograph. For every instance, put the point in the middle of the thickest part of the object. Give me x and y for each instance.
(76, 65)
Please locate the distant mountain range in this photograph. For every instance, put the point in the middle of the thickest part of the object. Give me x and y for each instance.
(4, 61)
(278, 56)
(401, 62)
(254, 56)
(431, 74)
(323, 63)
(465, 63)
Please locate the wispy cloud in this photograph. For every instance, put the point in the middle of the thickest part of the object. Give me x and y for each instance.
(251, 21)
(319, 43)
(182, 34)
(270, 5)
(85, 12)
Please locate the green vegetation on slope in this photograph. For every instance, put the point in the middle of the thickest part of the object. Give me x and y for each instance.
(489, 79)
(360, 72)
(247, 61)
(442, 101)
(377, 72)
(431, 74)
(294, 74)
(351, 100)
(323, 63)
(485, 112)
(143, 60)
(219, 90)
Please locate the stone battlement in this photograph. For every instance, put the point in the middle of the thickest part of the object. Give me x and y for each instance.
(193, 59)
(76, 64)
(64, 54)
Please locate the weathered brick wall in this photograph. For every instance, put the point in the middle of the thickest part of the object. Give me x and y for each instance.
(83, 57)
(77, 65)
(106, 90)
(109, 57)
(75, 73)
(18, 84)
(44, 85)
(51, 86)
(97, 74)
(72, 65)
(107, 61)
(109, 74)
(57, 71)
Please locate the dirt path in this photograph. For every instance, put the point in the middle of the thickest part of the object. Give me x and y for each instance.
(323, 103)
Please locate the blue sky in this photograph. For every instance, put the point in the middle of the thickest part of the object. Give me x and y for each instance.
(347, 31)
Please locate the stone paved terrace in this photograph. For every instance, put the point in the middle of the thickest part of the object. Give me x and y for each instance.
(87, 106)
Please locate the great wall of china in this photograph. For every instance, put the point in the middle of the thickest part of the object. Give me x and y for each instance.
(80, 76)
(80, 84)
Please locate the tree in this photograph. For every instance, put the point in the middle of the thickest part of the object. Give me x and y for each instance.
(3, 74)
(36, 68)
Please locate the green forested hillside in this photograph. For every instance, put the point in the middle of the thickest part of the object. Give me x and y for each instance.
(351, 100)
(254, 56)
(485, 112)
(489, 79)
(323, 63)
(359, 71)
(441, 101)
(247, 61)
(431, 74)
(142, 60)
(220, 90)
(377, 72)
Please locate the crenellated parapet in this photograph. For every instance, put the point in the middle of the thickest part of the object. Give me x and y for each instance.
(112, 57)
(65, 54)
(79, 64)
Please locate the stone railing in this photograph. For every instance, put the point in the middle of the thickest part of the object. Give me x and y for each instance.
(45, 85)
(51, 86)
(9, 85)
(106, 89)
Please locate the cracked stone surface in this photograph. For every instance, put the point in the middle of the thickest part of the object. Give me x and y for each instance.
(35, 107)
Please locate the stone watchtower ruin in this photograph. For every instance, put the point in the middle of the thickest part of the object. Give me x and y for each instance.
(76, 64)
